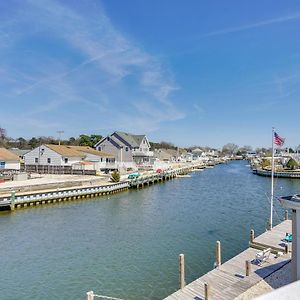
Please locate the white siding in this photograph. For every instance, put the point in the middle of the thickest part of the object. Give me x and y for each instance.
(11, 165)
(45, 154)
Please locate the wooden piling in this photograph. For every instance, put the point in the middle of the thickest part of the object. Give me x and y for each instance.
(286, 215)
(90, 295)
(181, 271)
(218, 254)
(252, 236)
(286, 248)
(248, 267)
(206, 291)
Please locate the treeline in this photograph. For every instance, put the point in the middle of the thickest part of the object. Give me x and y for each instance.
(22, 143)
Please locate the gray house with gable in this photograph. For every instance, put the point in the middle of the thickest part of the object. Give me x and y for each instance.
(130, 150)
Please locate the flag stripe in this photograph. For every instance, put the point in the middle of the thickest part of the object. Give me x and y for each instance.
(278, 140)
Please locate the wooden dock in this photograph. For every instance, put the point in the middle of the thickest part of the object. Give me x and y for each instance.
(230, 280)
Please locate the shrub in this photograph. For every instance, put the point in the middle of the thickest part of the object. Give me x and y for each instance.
(292, 164)
(115, 176)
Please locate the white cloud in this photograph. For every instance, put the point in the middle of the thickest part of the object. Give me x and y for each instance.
(263, 23)
(106, 67)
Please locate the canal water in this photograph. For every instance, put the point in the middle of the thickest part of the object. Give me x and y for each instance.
(127, 245)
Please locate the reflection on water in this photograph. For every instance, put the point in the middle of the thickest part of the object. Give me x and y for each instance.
(128, 246)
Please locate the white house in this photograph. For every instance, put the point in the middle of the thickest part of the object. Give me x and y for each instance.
(9, 160)
(128, 149)
(47, 157)
(99, 159)
(53, 155)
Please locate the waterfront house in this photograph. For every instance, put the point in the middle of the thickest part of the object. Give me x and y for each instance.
(49, 158)
(166, 155)
(9, 160)
(100, 159)
(130, 150)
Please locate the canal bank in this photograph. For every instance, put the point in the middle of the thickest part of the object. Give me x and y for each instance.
(126, 245)
(50, 196)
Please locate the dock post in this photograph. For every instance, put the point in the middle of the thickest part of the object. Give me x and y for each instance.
(251, 236)
(90, 295)
(286, 215)
(218, 254)
(248, 267)
(181, 271)
(206, 291)
(12, 200)
(286, 248)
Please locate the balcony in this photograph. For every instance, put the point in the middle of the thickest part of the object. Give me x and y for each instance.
(142, 153)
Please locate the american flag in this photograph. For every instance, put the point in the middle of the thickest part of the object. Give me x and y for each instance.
(278, 140)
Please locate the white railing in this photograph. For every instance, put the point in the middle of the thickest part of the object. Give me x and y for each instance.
(142, 153)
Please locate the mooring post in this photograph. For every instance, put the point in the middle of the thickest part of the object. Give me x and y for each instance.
(12, 200)
(286, 215)
(206, 291)
(181, 271)
(248, 267)
(90, 295)
(286, 248)
(218, 254)
(251, 236)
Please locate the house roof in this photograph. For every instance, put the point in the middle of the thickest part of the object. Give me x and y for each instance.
(132, 139)
(7, 155)
(65, 150)
(165, 154)
(19, 152)
(89, 150)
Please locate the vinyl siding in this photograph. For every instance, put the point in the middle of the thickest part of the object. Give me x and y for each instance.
(56, 159)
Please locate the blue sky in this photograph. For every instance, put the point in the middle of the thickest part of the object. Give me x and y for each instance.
(189, 72)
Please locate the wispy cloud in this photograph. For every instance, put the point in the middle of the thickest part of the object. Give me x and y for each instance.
(262, 23)
(98, 69)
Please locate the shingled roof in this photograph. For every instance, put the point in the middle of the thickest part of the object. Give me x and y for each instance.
(7, 155)
(65, 150)
(87, 149)
(132, 139)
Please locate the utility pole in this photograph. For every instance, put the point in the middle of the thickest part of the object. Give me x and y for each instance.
(60, 132)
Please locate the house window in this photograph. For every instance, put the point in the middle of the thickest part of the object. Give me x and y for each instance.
(2, 164)
(66, 160)
(99, 148)
(36, 160)
(144, 141)
(49, 160)
(126, 149)
(108, 138)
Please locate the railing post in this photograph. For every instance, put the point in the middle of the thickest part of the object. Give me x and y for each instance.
(181, 272)
(90, 295)
(206, 291)
(248, 267)
(251, 236)
(218, 254)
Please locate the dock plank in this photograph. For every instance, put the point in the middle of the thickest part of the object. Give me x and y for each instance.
(228, 280)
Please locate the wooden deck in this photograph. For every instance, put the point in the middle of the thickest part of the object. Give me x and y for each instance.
(229, 280)
(274, 238)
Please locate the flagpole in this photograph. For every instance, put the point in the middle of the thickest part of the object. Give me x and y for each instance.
(272, 181)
